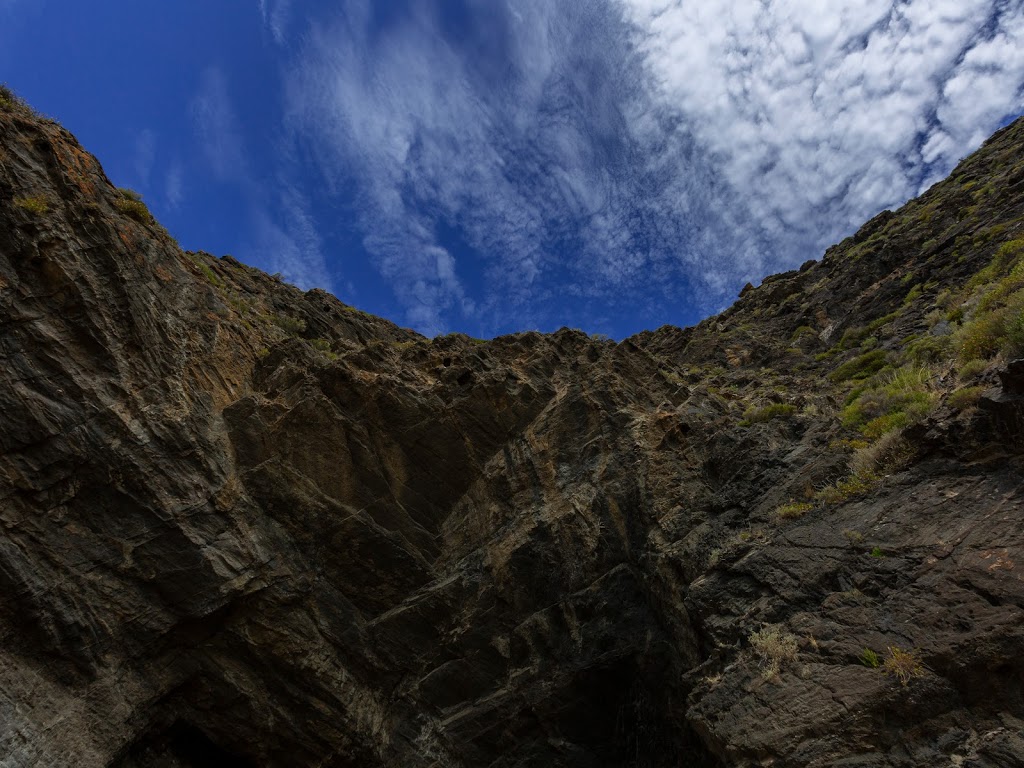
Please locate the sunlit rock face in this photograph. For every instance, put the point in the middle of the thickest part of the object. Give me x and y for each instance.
(243, 525)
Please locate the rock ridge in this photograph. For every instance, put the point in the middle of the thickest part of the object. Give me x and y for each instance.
(242, 524)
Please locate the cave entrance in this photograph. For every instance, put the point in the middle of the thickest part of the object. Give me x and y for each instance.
(624, 715)
(182, 745)
(197, 750)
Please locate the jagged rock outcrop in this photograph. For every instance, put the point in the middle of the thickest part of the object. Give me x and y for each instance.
(245, 525)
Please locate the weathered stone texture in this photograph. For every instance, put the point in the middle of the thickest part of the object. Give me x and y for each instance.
(245, 525)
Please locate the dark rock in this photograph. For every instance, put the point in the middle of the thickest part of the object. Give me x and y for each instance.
(244, 525)
(1012, 377)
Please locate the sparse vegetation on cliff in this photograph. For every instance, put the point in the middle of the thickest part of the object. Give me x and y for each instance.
(296, 532)
(37, 204)
(130, 204)
(774, 647)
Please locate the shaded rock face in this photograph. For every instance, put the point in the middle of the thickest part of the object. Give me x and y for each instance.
(243, 525)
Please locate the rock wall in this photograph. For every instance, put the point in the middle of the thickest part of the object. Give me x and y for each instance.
(245, 525)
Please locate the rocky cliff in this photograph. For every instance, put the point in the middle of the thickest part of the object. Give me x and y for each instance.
(243, 525)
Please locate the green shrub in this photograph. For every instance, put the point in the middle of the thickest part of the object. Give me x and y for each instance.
(290, 325)
(877, 324)
(929, 349)
(9, 100)
(1009, 252)
(769, 412)
(803, 331)
(995, 324)
(860, 367)
(846, 489)
(965, 398)
(37, 204)
(1002, 262)
(852, 337)
(870, 659)
(1013, 346)
(891, 401)
(324, 347)
(972, 369)
(321, 345)
(204, 268)
(883, 425)
(1001, 294)
(130, 204)
(982, 337)
(793, 510)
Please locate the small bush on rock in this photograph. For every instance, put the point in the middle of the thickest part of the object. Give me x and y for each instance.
(890, 453)
(793, 510)
(130, 204)
(769, 412)
(860, 367)
(965, 398)
(903, 665)
(891, 401)
(870, 659)
(848, 488)
(774, 647)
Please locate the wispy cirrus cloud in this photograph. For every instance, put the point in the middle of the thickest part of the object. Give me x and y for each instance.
(217, 127)
(276, 15)
(145, 155)
(530, 162)
(174, 185)
(530, 165)
(289, 242)
(284, 236)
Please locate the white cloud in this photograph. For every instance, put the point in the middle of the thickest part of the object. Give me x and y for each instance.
(276, 14)
(174, 185)
(654, 151)
(289, 242)
(285, 236)
(145, 155)
(833, 110)
(217, 127)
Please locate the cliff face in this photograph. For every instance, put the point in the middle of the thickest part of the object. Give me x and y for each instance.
(245, 525)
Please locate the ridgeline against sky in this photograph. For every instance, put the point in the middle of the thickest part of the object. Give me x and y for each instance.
(496, 165)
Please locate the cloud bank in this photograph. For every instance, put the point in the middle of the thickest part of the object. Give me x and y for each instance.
(528, 163)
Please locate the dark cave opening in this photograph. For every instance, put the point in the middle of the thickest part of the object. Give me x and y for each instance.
(626, 715)
(197, 750)
(182, 745)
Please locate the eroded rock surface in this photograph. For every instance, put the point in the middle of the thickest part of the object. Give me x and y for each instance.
(245, 525)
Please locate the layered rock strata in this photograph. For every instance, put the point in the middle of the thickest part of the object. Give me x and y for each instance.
(245, 525)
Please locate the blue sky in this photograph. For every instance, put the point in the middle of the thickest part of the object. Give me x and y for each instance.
(488, 166)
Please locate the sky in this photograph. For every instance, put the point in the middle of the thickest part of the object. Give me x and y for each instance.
(490, 166)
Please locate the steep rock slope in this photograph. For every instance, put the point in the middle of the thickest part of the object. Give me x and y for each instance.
(245, 525)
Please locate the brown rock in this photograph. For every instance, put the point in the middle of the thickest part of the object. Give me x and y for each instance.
(245, 525)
